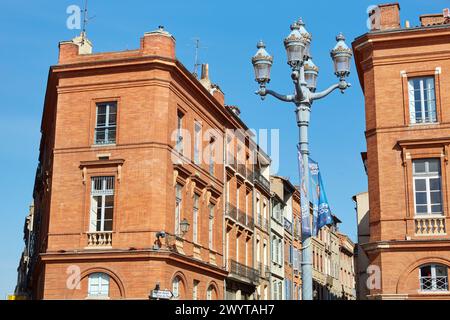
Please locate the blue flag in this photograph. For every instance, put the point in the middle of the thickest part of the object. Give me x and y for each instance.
(324, 217)
(306, 222)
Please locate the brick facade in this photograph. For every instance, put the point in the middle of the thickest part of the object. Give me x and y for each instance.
(401, 242)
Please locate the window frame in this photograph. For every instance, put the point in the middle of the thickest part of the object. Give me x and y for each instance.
(100, 276)
(102, 194)
(107, 126)
(428, 176)
(423, 101)
(433, 278)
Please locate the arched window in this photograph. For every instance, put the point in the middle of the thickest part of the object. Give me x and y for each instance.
(98, 285)
(210, 293)
(176, 287)
(434, 277)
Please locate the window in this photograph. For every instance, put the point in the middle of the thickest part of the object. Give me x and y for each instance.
(197, 142)
(422, 100)
(209, 293)
(211, 156)
(275, 290)
(102, 204)
(106, 123)
(258, 248)
(427, 186)
(179, 145)
(98, 285)
(433, 278)
(176, 287)
(195, 220)
(178, 200)
(195, 290)
(265, 252)
(211, 226)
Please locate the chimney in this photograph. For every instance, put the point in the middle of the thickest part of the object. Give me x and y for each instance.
(70, 50)
(211, 87)
(385, 16)
(432, 19)
(158, 43)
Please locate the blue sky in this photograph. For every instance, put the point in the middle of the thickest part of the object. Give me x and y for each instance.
(30, 32)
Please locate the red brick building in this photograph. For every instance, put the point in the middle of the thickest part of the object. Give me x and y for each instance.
(131, 190)
(405, 75)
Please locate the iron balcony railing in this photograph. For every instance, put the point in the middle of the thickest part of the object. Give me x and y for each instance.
(239, 216)
(231, 211)
(262, 181)
(287, 225)
(262, 223)
(264, 270)
(237, 269)
(231, 161)
(245, 219)
(242, 170)
(434, 283)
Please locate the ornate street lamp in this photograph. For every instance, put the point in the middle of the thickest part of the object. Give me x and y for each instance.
(341, 55)
(184, 227)
(311, 74)
(295, 44)
(304, 76)
(262, 62)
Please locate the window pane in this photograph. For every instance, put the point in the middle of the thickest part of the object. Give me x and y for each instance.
(419, 166)
(436, 209)
(421, 209)
(421, 198)
(108, 225)
(420, 185)
(112, 119)
(433, 166)
(435, 197)
(441, 271)
(101, 120)
(101, 109)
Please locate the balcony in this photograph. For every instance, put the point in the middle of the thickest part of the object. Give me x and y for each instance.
(245, 220)
(262, 181)
(262, 223)
(430, 226)
(231, 162)
(231, 211)
(264, 270)
(101, 239)
(242, 272)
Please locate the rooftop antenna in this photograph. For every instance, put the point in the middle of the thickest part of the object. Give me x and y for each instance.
(85, 21)
(196, 59)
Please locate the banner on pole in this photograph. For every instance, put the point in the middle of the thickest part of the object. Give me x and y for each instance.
(304, 205)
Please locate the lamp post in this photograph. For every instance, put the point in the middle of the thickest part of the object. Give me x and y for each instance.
(304, 76)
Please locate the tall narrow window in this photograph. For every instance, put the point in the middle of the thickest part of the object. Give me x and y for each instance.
(105, 127)
(98, 285)
(178, 203)
(427, 186)
(102, 204)
(212, 159)
(210, 293)
(434, 278)
(265, 252)
(195, 219)
(176, 287)
(195, 290)
(237, 247)
(258, 249)
(211, 226)
(179, 146)
(422, 100)
(197, 143)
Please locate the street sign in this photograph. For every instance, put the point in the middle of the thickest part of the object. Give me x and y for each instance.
(161, 294)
